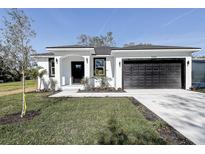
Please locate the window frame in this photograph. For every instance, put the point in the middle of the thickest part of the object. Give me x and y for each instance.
(51, 74)
(94, 59)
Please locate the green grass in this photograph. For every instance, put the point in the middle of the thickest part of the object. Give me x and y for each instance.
(202, 90)
(16, 85)
(77, 121)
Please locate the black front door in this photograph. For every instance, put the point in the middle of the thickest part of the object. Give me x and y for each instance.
(77, 71)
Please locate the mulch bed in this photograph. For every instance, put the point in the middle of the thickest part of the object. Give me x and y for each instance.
(167, 132)
(16, 117)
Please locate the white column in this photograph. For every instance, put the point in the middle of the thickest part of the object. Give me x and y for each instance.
(118, 73)
(69, 71)
(86, 66)
(188, 66)
(109, 70)
(58, 72)
(39, 81)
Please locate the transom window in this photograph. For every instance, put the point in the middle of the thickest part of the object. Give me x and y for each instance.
(51, 67)
(99, 66)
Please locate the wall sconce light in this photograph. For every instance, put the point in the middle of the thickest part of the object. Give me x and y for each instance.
(187, 63)
(86, 60)
(56, 61)
(119, 64)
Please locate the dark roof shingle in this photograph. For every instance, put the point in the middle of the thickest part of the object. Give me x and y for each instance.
(147, 47)
(44, 54)
(71, 46)
(135, 47)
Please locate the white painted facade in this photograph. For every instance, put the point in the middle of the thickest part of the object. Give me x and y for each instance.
(114, 63)
(180, 53)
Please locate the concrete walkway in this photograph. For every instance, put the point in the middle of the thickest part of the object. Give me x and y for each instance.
(183, 110)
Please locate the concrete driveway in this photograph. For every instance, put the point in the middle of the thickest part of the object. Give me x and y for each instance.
(184, 110)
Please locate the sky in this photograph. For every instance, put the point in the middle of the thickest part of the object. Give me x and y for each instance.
(180, 27)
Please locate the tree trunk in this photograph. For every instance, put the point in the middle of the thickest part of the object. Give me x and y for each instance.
(23, 111)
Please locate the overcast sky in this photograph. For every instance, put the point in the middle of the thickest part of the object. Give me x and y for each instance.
(182, 27)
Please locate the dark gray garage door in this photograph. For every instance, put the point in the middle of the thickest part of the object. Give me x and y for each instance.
(152, 74)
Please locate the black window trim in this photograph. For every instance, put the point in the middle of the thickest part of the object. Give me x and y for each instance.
(94, 65)
(50, 67)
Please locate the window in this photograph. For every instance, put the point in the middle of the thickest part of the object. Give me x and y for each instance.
(51, 67)
(99, 66)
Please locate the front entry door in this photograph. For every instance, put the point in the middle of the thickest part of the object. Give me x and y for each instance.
(77, 71)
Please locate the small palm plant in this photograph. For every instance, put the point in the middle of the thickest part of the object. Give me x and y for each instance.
(86, 82)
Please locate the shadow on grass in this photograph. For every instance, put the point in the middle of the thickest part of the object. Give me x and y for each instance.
(116, 135)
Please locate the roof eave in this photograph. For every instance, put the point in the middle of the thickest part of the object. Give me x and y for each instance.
(42, 56)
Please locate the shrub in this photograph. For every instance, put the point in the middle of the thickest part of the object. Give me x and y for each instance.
(86, 83)
(104, 82)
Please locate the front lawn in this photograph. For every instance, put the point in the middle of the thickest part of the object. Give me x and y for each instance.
(79, 121)
(201, 90)
(16, 87)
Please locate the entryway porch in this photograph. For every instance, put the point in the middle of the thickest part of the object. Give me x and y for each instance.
(71, 69)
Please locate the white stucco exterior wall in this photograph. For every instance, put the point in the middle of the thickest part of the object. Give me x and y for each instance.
(118, 72)
(58, 78)
(188, 67)
(110, 70)
(86, 66)
(148, 55)
(65, 71)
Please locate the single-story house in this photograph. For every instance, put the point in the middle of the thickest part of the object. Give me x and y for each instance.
(139, 66)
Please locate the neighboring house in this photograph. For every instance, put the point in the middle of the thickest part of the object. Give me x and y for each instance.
(198, 73)
(140, 66)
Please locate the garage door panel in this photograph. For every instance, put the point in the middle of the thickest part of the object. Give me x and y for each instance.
(152, 75)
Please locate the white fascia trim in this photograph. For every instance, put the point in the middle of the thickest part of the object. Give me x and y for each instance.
(153, 57)
(71, 55)
(102, 55)
(157, 50)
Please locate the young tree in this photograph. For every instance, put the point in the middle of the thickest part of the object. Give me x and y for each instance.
(16, 34)
(97, 41)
